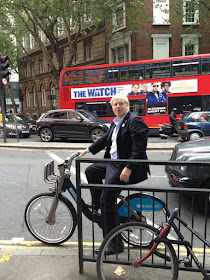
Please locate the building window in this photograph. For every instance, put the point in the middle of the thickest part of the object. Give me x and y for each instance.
(40, 34)
(119, 17)
(24, 42)
(31, 38)
(43, 96)
(190, 12)
(75, 56)
(190, 44)
(60, 26)
(120, 54)
(34, 97)
(27, 98)
(41, 66)
(160, 12)
(52, 92)
(88, 49)
(161, 45)
(120, 47)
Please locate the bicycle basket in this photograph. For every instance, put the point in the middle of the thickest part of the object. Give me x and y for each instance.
(49, 176)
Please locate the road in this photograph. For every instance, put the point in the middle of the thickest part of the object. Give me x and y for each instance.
(22, 177)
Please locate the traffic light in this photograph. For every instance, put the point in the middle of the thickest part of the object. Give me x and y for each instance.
(4, 73)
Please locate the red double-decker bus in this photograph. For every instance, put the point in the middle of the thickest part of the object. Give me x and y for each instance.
(153, 87)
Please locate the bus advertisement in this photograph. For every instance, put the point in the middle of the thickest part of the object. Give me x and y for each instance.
(153, 87)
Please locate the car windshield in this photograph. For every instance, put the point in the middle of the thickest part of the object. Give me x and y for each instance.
(13, 118)
(184, 117)
(25, 117)
(88, 115)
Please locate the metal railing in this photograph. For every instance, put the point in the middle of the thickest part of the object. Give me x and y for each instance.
(183, 198)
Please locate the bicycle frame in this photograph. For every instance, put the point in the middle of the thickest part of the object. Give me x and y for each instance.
(63, 183)
(162, 237)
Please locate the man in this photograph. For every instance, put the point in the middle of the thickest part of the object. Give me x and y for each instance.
(144, 89)
(153, 95)
(126, 139)
(134, 90)
(173, 120)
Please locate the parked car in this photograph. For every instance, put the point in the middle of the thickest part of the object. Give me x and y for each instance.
(29, 120)
(190, 176)
(73, 124)
(14, 125)
(193, 126)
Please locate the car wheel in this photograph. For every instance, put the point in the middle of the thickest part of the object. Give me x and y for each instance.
(194, 136)
(46, 135)
(96, 134)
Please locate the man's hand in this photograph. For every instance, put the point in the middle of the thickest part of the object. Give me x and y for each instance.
(81, 153)
(125, 174)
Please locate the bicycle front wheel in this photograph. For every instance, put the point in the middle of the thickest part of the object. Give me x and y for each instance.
(163, 264)
(36, 214)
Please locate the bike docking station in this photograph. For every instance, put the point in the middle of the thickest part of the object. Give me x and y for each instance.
(151, 247)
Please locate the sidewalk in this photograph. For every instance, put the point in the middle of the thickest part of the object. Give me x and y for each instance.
(23, 144)
(55, 263)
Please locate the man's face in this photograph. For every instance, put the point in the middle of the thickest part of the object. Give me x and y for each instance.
(166, 87)
(119, 107)
(155, 87)
(135, 88)
(144, 87)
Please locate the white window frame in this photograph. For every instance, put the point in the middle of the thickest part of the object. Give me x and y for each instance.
(24, 42)
(192, 39)
(34, 97)
(31, 41)
(114, 18)
(43, 96)
(161, 12)
(27, 98)
(52, 92)
(161, 39)
(41, 66)
(196, 14)
(40, 34)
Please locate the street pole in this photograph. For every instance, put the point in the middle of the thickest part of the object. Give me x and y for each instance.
(2, 93)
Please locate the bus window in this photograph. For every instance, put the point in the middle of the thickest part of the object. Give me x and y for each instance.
(186, 67)
(72, 78)
(158, 70)
(112, 74)
(205, 65)
(184, 104)
(132, 72)
(137, 106)
(206, 103)
(95, 76)
(99, 109)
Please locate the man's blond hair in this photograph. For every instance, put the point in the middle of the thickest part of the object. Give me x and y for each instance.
(121, 97)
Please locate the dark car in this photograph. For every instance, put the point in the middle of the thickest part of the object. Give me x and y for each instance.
(30, 121)
(14, 124)
(73, 124)
(193, 126)
(190, 176)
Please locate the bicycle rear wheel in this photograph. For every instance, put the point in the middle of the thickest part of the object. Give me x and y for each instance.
(163, 264)
(36, 213)
(149, 209)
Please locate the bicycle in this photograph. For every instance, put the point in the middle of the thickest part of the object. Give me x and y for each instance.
(158, 261)
(51, 217)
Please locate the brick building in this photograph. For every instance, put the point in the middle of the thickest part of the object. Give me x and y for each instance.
(163, 37)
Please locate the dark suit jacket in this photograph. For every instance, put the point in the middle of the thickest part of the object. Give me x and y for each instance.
(131, 144)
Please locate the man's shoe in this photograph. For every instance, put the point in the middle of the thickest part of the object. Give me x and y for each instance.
(113, 249)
